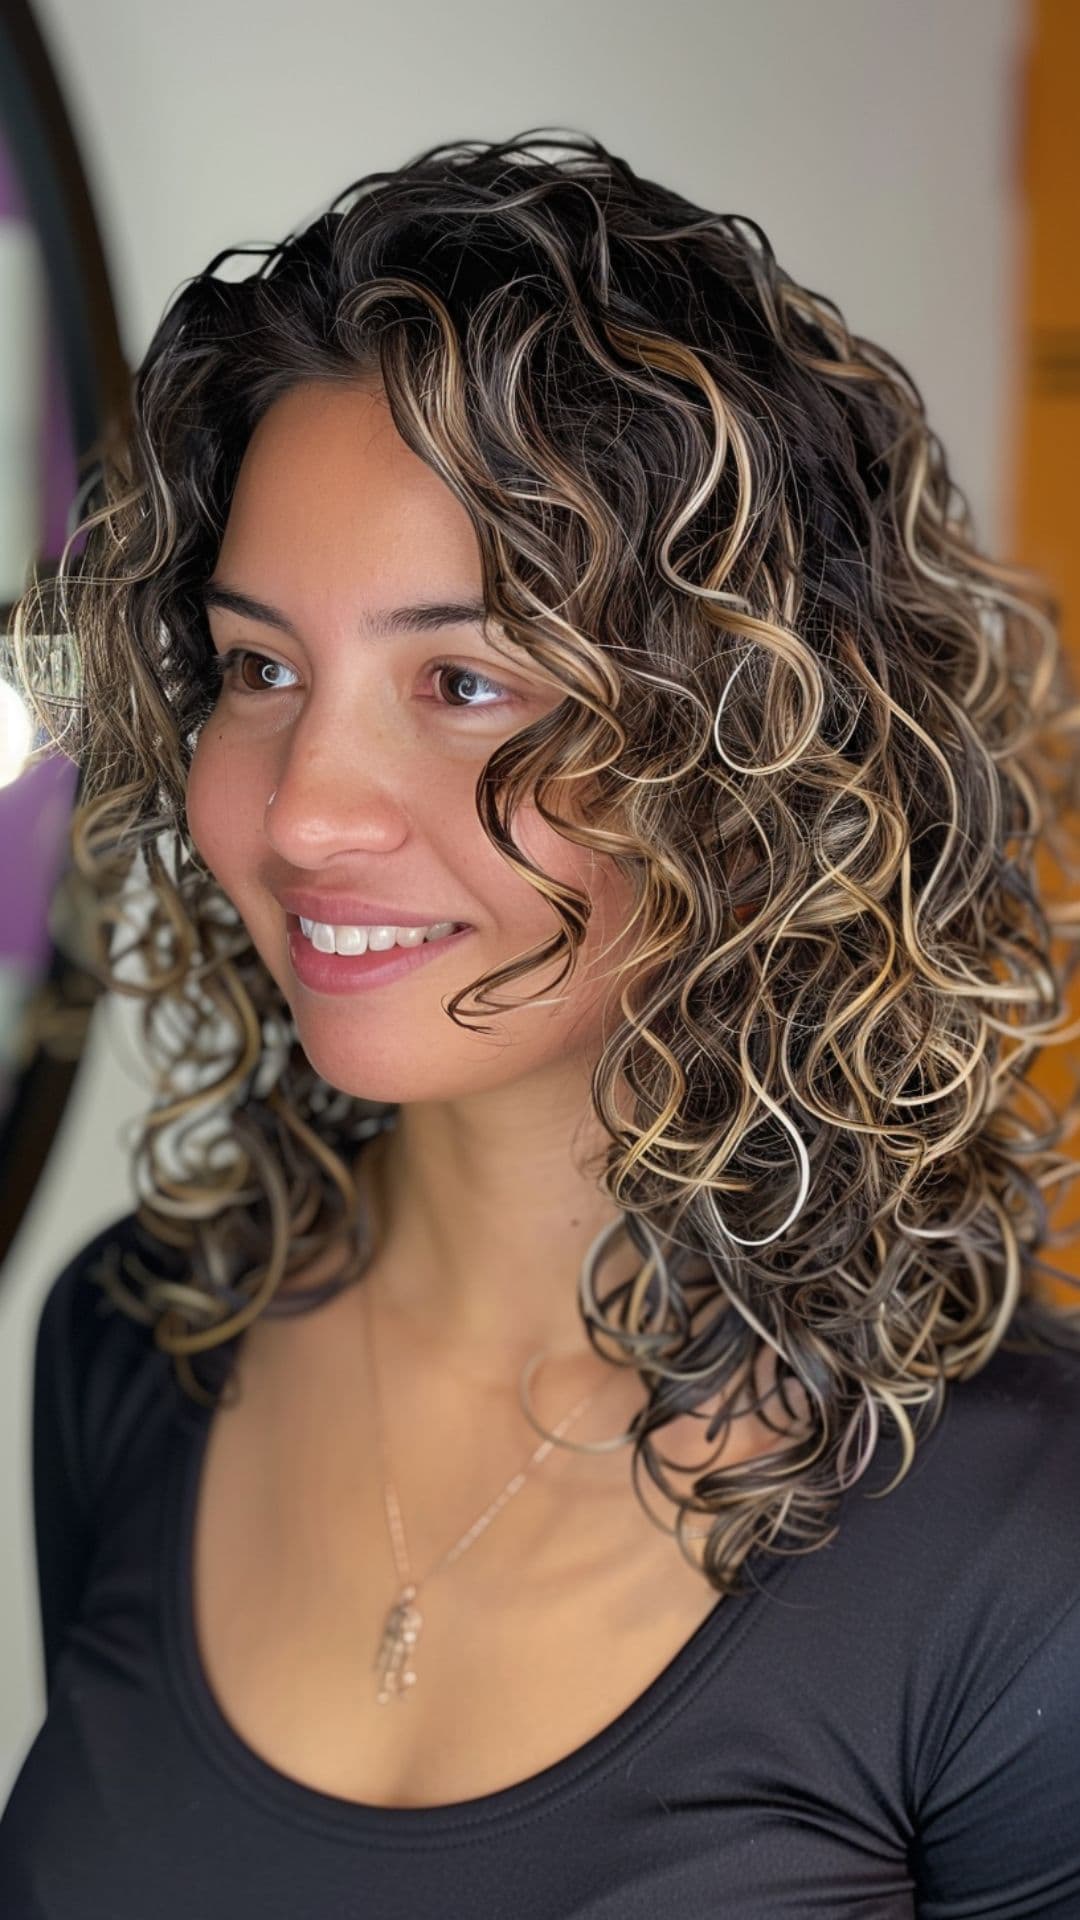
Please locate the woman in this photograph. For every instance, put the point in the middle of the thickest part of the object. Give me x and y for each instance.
(520, 579)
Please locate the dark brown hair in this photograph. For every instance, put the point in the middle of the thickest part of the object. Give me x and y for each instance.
(822, 734)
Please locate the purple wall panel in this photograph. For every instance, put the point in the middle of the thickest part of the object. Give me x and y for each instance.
(34, 814)
(35, 808)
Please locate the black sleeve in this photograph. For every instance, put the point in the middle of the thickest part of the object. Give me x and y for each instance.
(999, 1830)
(62, 1529)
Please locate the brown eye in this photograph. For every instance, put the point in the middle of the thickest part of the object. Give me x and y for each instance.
(231, 669)
(472, 679)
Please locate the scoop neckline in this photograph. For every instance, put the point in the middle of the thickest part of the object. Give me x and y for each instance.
(450, 1822)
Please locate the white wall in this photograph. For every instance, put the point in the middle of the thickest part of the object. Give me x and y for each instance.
(872, 139)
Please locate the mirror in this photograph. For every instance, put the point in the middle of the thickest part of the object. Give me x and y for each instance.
(63, 378)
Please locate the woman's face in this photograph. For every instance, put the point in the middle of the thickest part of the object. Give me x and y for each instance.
(371, 756)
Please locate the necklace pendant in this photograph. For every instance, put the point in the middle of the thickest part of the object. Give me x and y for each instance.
(399, 1636)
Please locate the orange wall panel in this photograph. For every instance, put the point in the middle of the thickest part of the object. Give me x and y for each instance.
(1045, 513)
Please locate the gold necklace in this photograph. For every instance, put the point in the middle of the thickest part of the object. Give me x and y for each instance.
(401, 1629)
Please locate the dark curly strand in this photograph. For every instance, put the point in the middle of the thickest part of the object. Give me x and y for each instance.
(819, 731)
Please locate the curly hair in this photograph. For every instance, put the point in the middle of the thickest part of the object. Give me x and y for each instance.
(823, 736)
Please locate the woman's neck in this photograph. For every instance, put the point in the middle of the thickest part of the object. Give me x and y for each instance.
(479, 1242)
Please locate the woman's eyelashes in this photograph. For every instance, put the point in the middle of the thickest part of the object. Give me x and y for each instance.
(228, 669)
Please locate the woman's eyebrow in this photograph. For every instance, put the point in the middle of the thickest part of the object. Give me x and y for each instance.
(424, 616)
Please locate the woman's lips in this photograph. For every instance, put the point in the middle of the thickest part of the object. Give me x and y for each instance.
(352, 972)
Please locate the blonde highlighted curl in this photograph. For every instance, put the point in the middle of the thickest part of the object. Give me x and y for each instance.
(822, 735)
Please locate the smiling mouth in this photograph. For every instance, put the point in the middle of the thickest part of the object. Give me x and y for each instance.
(346, 973)
(358, 940)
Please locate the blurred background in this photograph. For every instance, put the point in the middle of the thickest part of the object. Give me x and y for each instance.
(916, 160)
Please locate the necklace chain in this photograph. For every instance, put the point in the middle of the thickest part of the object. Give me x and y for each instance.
(401, 1629)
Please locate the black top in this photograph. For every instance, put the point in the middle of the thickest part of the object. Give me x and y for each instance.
(886, 1726)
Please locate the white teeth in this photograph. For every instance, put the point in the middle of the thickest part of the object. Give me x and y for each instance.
(352, 940)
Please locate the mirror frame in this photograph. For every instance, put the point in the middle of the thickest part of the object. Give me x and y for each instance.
(39, 133)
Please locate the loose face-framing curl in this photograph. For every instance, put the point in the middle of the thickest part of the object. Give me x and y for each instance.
(813, 726)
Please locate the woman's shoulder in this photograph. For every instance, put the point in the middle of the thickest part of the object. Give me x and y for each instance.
(990, 1687)
(78, 1317)
(994, 1486)
(960, 1551)
(97, 1370)
(969, 1562)
(1010, 1433)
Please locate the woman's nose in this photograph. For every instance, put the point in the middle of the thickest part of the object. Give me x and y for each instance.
(308, 817)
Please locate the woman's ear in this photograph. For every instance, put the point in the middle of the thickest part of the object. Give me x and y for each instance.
(744, 913)
(737, 865)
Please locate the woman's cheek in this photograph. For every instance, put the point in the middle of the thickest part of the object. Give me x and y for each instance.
(208, 806)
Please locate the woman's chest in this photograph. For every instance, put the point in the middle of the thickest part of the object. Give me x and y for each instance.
(540, 1634)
